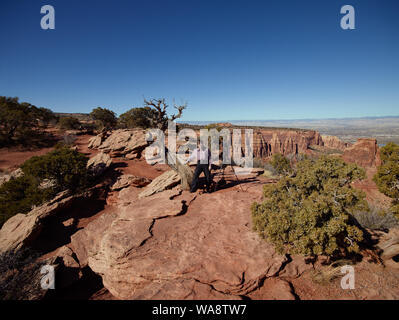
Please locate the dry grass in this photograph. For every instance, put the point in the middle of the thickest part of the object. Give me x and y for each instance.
(376, 219)
(325, 275)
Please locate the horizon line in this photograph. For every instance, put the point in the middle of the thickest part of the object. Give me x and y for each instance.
(300, 119)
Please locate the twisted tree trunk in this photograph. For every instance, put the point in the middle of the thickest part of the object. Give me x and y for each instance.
(184, 171)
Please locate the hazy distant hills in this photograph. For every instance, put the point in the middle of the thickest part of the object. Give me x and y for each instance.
(384, 129)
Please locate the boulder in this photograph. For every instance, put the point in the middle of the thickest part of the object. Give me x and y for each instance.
(127, 180)
(165, 181)
(364, 152)
(99, 163)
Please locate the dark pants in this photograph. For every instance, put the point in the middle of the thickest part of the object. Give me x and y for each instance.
(201, 168)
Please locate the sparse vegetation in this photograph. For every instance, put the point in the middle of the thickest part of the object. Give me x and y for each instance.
(19, 195)
(137, 118)
(152, 115)
(20, 275)
(281, 164)
(213, 126)
(270, 172)
(376, 219)
(160, 107)
(325, 275)
(69, 123)
(65, 167)
(310, 213)
(20, 122)
(387, 176)
(105, 118)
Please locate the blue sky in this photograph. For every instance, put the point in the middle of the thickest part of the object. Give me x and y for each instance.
(230, 60)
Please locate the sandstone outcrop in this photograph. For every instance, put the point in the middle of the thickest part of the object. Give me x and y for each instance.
(165, 181)
(333, 142)
(170, 246)
(68, 270)
(389, 244)
(97, 140)
(121, 142)
(22, 229)
(127, 180)
(364, 152)
(271, 141)
(99, 163)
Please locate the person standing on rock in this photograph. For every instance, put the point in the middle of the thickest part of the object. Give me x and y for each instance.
(202, 156)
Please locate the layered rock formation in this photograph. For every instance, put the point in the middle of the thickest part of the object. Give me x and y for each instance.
(333, 142)
(124, 142)
(272, 141)
(165, 181)
(364, 152)
(99, 163)
(127, 180)
(22, 229)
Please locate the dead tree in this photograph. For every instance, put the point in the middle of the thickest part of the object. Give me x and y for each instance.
(184, 171)
(160, 120)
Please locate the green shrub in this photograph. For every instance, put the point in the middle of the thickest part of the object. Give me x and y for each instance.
(69, 123)
(18, 121)
(281, 164)
(104, 118)
(19, 195)
(387, 176)
(310, 213)
(64, 165)
(137, 118)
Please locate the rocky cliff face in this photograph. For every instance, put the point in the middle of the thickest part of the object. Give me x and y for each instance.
(272, 141)
(364, 152)
(333, 142)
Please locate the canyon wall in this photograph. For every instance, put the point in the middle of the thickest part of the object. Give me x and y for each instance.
(271, 141)
(333, 142)
(364, 152)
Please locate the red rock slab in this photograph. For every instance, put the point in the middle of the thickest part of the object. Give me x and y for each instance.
(175, 247)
